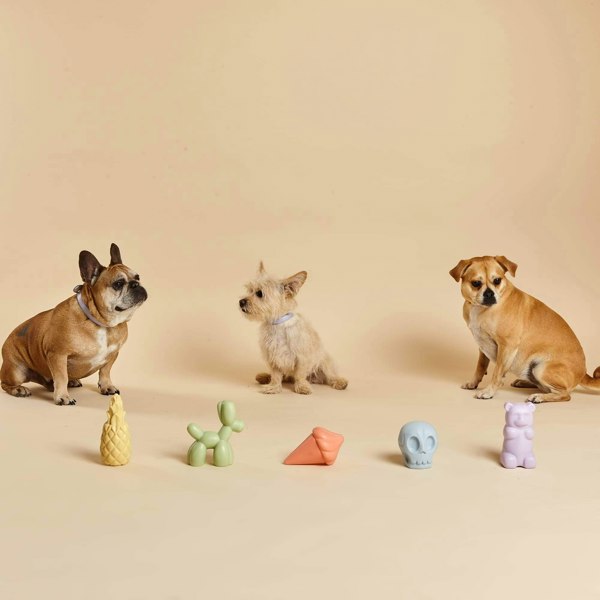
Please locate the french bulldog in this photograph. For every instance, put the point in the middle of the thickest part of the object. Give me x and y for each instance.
(81, 335)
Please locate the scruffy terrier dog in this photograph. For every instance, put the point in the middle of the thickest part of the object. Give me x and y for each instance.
(290, 345)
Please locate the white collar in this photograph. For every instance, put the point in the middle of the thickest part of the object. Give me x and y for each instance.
(283, 319)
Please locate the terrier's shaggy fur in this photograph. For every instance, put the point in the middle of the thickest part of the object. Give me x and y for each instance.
(290, 345)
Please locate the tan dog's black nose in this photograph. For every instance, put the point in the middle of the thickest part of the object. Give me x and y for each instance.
(489, 297)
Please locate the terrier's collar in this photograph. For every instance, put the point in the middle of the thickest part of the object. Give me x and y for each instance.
(283, 319)
(85, 309)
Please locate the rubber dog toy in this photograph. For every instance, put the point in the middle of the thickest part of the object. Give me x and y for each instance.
(418, 441)
(321, 447)
(115, 442)
(517, 449)
(218, 442)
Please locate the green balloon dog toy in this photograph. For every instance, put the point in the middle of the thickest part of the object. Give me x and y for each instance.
(218, 442)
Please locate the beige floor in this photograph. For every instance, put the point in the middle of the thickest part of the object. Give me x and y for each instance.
(367, 525)
(374, 144)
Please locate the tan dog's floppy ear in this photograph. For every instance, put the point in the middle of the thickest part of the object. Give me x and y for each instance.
(261, 268)
(115, 255)
(506, 264)
(292, 285)
(89, 267)
(459, 269)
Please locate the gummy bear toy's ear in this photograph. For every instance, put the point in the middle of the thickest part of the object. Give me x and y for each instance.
(508, 406)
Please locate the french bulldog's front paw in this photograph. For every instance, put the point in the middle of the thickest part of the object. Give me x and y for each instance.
(20, 391)
(108, 389)
(485, 394)
(270, 389)
(302, 387)
(74, 383)
(65, 400)
(470, 385)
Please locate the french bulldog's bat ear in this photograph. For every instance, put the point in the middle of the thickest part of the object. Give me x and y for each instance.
(115, 255)
(89, 267)
(292, 285)
(261, 268)
(459, 269)
(507, 265)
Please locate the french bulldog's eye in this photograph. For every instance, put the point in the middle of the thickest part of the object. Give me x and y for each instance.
(118, 285)
(497, 281)
(476, 284)
(259, 293)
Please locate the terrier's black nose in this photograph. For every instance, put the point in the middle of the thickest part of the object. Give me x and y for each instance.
(243, 302)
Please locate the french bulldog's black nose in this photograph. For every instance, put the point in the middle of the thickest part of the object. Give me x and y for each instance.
(243, 302)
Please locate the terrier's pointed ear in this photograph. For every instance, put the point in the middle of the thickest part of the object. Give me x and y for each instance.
(261, 268)
(292, 285)
(459, 269)
(506, 264)
(89, 267)
(115, 255)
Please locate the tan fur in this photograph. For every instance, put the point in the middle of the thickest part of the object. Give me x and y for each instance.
(519, 334)
(58, 347)
(292, 349)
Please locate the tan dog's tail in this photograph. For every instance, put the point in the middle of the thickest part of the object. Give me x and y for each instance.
(592, 383)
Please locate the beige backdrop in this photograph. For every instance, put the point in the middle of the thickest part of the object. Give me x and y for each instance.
(373, 144)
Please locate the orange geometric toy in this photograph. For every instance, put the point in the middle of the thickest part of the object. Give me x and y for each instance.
(321, 447)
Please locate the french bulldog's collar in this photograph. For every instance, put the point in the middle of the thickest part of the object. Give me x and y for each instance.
(85, 309)
(283, 319)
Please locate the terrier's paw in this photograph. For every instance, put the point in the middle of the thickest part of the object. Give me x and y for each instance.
(536, 398)
(73, 383)
(302, 387)
(20, 391)
(270, 389)
(470, 385)
(108, 390)
(263, 378)
(65, 400)
(339, 383)
(485, 394)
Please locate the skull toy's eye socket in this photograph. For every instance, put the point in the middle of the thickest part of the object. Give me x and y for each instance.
(413, 443)
(429, 443)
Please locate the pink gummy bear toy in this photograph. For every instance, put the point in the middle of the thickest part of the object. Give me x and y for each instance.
(517, 450)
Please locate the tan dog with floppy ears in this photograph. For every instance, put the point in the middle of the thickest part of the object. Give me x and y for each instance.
(519, 333)
(289, 344)
(81, 335)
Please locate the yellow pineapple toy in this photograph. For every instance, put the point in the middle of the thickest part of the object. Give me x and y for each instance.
(115, 443)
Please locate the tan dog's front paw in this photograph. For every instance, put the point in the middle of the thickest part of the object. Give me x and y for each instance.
(470, 385)
(302, 387)
(485, 394)
(339, 384)
(108, 389)
(64, 400)
(270, 389)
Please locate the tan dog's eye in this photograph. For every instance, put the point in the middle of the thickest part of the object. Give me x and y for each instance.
(259, 293)
(497, 281)
(476, 284)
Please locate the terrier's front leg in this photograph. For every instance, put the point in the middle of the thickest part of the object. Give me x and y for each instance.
(274, 387)
(105, 385)
(301, 384)
(57, 363)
